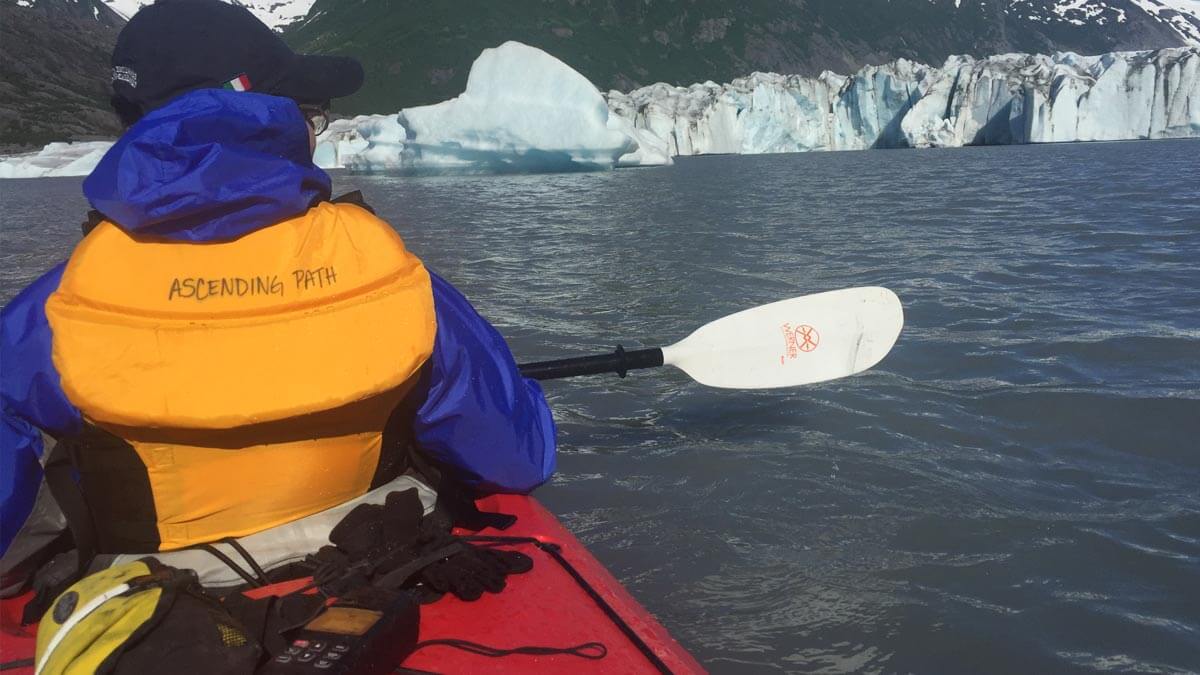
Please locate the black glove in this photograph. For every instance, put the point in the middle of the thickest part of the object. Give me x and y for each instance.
(402, 515)
(371, 529)
(360, 532)
(472, 571)
(392, 545)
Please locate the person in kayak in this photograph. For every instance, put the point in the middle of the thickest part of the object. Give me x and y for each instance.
(229, 351)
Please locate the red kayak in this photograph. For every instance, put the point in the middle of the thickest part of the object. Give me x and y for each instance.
(567, 599)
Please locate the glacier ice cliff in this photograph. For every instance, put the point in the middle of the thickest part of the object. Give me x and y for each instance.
(1017, 98)
(1010, 98)
(524, 110)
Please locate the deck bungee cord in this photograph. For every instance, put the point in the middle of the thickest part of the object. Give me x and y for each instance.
(555, 552)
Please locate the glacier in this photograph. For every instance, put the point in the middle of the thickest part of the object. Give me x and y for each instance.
(1009, 98)
(524, 110)
(1018, 98)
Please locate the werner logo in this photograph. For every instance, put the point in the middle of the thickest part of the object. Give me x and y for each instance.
(800, 339)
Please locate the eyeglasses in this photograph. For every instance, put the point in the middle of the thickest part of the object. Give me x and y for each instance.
(317, 117)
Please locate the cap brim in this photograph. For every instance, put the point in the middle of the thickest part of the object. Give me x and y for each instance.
(314, 78)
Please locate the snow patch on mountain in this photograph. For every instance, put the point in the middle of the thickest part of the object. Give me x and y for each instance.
(274, 13)
(1182, 15)
(1075, 12)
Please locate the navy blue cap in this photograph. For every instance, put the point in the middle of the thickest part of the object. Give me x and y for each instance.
(176, 46)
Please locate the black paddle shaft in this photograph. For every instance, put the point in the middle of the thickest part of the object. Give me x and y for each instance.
(619, 362)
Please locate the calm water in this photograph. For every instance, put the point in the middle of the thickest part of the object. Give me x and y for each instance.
(1016, 488)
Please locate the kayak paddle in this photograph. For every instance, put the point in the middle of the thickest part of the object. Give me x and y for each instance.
(808, 339)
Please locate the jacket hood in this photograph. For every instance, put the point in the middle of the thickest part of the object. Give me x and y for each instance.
(211, 165)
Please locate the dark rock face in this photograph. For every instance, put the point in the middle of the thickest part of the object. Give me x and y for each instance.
(54, 72)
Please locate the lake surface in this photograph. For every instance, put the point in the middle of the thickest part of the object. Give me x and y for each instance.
(1015, 488)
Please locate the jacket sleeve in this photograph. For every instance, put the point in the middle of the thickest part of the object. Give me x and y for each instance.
(480, 417)
(32, 400)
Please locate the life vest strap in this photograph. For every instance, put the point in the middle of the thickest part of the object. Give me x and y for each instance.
(59, 471)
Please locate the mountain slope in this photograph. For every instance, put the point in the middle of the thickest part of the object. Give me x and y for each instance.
(417, 52)
(54, 71)
(84, 10)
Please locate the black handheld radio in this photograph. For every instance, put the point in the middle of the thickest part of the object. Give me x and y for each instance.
(351, 638)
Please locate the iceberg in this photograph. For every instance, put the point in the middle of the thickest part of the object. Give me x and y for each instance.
(56, 159)
(523, 110)
(335, 147)
(342, 141)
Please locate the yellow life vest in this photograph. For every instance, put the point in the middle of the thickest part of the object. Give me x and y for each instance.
(248, 382)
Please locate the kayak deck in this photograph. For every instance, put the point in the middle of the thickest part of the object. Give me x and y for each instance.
(545, 607)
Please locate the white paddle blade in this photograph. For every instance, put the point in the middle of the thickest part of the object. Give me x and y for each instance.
(792, 342)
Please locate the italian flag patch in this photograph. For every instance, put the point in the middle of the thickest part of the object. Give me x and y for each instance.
(239, 83)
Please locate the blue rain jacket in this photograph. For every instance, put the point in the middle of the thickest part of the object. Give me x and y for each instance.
(214, 165)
